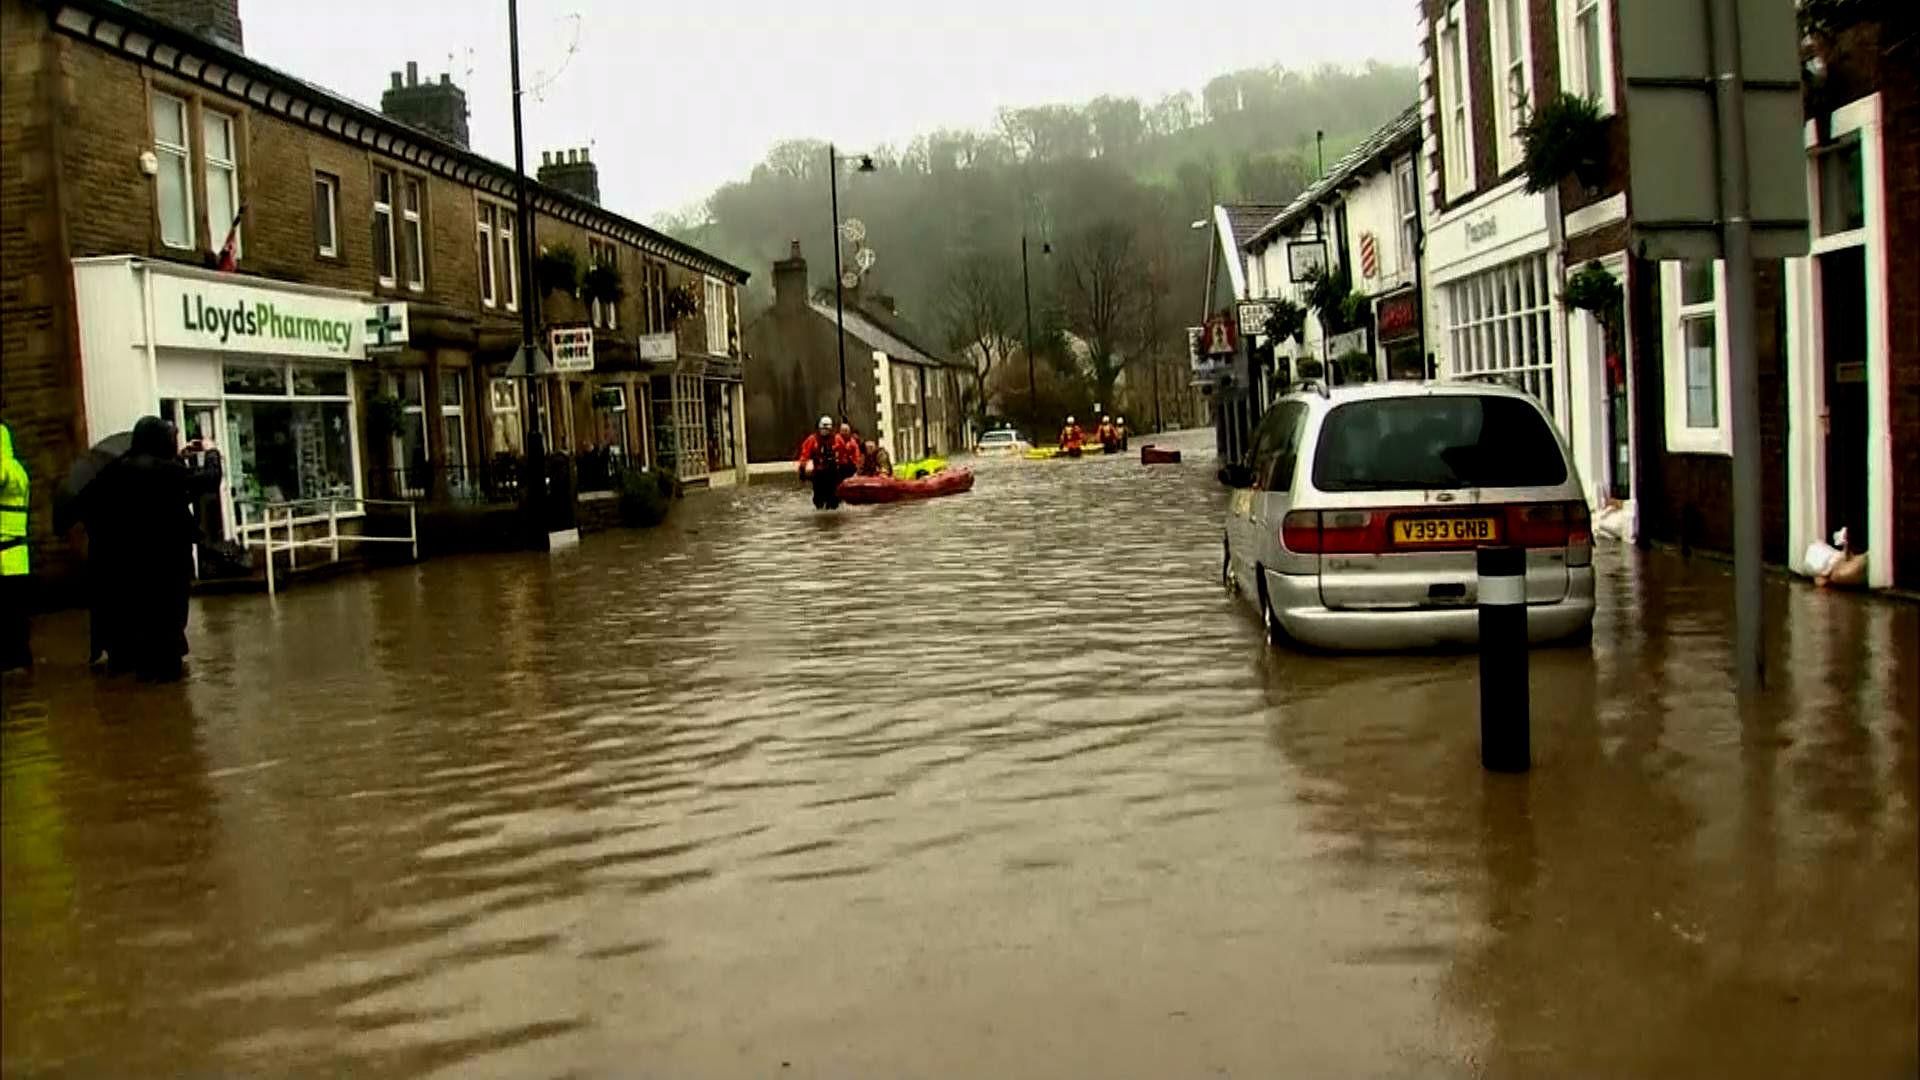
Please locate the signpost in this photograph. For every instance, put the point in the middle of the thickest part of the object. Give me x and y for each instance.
(1719, 172)
(387, 330)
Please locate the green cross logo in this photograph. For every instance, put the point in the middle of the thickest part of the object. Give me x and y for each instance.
(382, 327)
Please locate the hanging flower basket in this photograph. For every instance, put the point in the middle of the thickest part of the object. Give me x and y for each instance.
(603, 283)
(682, 302)
(1593, 289)
(557, 270)
(1286, 319)
(1565, 136)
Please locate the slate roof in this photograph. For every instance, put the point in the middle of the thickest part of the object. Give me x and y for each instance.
(862, 327)
(1394, 137)
(1246, 219)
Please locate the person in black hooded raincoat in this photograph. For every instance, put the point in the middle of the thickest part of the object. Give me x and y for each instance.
(141, 509)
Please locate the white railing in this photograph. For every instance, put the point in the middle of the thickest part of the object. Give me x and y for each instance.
(284, 518)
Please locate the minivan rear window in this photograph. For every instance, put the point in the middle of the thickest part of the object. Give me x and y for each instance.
(1434, 443)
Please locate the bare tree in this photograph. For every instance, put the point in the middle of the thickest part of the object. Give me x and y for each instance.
(1100, 294)
(980, 313)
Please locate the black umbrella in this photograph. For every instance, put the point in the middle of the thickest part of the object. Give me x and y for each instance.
(85, 471)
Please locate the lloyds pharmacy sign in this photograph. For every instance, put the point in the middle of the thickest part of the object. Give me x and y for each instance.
(217, 316)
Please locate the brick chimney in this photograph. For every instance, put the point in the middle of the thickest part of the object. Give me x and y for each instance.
(437, 107)
(216, 20)
(572, 171)
(790, 280)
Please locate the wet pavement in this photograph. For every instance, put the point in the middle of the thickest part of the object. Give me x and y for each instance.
(997, 785)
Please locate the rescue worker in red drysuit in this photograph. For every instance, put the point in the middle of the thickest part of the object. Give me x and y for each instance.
(820, 463)
(1072, 439)
(1107, 435)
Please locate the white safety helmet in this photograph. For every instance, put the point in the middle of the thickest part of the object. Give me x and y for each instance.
(826, 422)
(1069, 419)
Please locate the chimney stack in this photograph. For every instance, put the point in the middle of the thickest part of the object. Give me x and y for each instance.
(216, 20)
(439, 108)
(571, 170)
(790, 280)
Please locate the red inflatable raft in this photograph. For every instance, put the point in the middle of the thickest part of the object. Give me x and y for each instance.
(1157, 455)
(861, 490)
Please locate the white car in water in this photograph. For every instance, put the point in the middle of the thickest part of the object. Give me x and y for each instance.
(1002, 441)
(1354, 521)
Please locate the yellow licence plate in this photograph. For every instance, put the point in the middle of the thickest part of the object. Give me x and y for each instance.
(1418, 531)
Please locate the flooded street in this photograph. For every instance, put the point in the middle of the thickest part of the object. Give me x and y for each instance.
(1001, 785)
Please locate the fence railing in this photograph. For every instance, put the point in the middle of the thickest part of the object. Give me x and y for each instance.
(277, 528)
(494, 481)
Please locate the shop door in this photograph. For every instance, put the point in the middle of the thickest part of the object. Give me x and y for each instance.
(212, 514)
(1843, 330)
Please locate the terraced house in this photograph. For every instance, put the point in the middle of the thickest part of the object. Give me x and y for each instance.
(353, 343)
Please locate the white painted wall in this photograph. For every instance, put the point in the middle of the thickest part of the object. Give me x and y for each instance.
(116, 366)
(1371, 209)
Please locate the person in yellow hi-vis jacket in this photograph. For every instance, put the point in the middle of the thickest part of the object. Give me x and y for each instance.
(14, 493)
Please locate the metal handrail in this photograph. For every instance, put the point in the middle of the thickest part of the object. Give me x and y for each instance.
(292, 545)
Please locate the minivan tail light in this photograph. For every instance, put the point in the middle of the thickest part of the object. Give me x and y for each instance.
(1334, 532)
(1549, 525)
(1300, 532)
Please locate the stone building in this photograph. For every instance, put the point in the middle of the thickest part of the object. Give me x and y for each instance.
(898, 388)
(358, 347)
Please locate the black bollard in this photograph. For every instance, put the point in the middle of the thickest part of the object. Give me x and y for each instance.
(1505, 741)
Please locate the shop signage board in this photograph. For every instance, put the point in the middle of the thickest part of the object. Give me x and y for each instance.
(221, 316)
(1206, 369)
(571, 348)
(1253, 316)
(1306, 258)
(1398, 316)
(1221, 340)
(659, 348)
(387, 329)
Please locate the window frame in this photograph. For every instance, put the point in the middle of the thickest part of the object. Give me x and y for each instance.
(413, 222)
(1406, 194)
(184, 152)
(1573, 74)
(1501, 321)
(1456, 104)
(509, 270)
(231, 166)
(331, 248)
(1510, 107)
(603, 253)
(483, 226)
(716, 314)
(1683, 438)
(385, 209)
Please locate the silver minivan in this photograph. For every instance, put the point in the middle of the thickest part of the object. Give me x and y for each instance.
(1353, 522)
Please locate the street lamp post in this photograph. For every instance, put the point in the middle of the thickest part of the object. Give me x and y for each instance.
(1026, 292)
(839, 315)
(529, 361)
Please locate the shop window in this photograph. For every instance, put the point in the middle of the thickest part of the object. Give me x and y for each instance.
(223, 178)
(1585, 50)
(1695, 351)
(1499, 323)
(414, 233)
(1456, 143)
(1511, 67)
(291, 428)
(1841, 184)
(326, 215)
(383, 253)
(173, 184)
(503, 402)
(483, 244)
(408, 457)
(453, 422)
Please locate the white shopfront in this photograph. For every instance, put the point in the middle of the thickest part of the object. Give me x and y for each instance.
(260, 369)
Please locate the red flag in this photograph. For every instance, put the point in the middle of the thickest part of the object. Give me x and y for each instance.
(227, 255)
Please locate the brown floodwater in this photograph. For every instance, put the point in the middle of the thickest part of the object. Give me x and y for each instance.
(1000, 785)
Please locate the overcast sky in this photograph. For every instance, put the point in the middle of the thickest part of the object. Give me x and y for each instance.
(677, 98)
